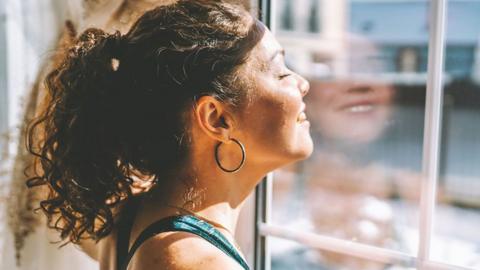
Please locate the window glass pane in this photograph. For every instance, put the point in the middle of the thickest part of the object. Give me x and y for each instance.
(290, 255)
(367, 69)
(457, 218)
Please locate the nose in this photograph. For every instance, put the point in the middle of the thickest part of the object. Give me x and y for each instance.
(303, 85)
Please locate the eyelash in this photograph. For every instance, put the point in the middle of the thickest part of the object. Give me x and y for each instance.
(283, 76)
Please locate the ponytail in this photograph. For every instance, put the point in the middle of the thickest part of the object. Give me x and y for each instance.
(79, 151)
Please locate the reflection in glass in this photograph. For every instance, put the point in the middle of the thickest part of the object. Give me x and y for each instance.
(367, 66)
(366, 108)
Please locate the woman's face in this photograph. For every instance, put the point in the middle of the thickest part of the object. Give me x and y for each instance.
(351, 111)
(355, 108)
(273, 123)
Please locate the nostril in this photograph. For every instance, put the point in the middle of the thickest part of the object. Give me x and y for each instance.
(302, 84)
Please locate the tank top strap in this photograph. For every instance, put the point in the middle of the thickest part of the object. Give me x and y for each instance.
(125, 225)
(185, 223)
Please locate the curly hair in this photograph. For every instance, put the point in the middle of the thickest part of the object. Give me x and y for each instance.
(117, 107)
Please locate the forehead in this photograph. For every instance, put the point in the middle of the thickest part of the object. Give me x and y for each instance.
(269, 43)
(265, 49)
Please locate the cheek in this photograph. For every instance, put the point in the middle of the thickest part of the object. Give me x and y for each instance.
(268, 120)
(271, 119)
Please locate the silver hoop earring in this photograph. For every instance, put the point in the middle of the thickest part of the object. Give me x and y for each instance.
(241, 163)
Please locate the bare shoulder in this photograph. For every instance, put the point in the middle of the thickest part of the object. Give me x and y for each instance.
(181, 251)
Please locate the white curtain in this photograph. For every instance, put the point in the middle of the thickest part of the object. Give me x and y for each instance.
(29, 31)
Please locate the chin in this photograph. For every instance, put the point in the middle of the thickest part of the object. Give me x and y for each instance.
(308, 150)
(300, 155)
(288, 152)
(304, 150)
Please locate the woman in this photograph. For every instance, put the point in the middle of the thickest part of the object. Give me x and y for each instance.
(153, 140)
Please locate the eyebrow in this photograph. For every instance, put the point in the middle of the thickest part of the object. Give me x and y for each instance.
(280, 51)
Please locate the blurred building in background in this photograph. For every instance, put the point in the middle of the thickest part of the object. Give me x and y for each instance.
(397, 28)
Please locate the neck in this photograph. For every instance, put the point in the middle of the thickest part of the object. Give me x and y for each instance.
(216, 197)
(205, 189)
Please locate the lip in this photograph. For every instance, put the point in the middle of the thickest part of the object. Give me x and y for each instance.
(302, 116)
(361, 109)
(358, 105)
(305, 122)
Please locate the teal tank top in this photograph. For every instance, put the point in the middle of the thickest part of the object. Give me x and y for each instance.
(184, 223)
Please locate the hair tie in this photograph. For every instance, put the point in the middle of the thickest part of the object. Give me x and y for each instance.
(115, 46)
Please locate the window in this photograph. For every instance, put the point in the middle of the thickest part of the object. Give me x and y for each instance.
(394, 105)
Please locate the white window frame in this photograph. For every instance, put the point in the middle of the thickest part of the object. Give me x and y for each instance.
(430, 172)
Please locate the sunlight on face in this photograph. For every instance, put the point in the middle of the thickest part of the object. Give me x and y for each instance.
(274, 121)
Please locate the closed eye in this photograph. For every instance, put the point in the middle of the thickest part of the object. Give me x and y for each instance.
(283, 76)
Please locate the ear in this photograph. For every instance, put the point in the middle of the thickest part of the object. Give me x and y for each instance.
(213, 117)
